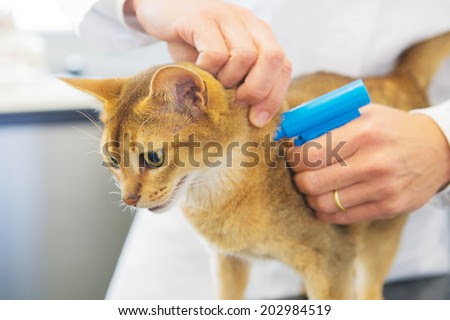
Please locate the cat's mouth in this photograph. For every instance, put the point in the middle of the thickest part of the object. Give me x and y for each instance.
(163, 207)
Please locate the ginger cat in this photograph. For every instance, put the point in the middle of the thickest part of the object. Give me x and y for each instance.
(248, 212)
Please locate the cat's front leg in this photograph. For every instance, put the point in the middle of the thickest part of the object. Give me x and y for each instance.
(233, 276)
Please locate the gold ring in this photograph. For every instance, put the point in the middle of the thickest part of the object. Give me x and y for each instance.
(337, 201)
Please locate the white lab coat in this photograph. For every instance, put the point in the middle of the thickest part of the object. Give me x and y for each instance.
(162, 257)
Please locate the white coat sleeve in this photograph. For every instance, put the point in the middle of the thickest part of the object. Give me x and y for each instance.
(102, 24)
(441, 116)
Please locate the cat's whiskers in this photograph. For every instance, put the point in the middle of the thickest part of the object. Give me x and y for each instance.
(95, 123)
(87, 134)
(120, 203)
(117, 184)
(201, 183)
(202, 180)
(145, 121)
(133, 210)
(93, 151)
(199, 207)
(195, 184)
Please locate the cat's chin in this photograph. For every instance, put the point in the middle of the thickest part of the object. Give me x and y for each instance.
(161, 208)
(166, 206)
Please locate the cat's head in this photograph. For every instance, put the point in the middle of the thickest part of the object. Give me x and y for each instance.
(146, 114)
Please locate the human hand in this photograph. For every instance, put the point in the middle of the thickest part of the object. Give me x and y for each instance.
(395, 162)
(226, 40)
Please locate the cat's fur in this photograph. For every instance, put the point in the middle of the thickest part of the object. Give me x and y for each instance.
(257, 212)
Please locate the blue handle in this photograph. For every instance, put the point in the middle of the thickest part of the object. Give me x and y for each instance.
(325, 113)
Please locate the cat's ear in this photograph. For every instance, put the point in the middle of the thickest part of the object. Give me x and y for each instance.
(180, 88)
(104, 89)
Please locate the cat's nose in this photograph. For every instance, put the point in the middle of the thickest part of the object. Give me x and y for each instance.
(131, 200)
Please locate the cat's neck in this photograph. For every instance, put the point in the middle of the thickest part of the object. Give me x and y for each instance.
(213, 187)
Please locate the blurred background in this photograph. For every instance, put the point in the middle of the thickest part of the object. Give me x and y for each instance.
(61, 231)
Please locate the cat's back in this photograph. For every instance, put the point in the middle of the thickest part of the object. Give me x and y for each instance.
(399, 91)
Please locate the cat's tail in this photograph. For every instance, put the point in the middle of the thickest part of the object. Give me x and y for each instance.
(423, 59)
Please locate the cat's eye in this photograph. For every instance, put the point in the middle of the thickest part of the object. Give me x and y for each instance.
(153, 159)
(114, 162)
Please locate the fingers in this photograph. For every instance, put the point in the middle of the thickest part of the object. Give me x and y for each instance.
(382, 203)
(349, 197)
(234, 44)
(258, 84)
(211, 46)
(364, 212)
(318, 154)
(181, 51)
(329, 148)
(266, 84)
(243, 52)
(262, 112)
(374, 210)
(335, 177)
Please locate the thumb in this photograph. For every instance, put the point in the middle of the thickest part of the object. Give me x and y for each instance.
(262, 112)
(181, 51)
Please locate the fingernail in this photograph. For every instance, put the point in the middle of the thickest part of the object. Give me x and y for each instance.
(259, 119)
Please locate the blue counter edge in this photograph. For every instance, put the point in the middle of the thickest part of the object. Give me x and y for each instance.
(47, 117)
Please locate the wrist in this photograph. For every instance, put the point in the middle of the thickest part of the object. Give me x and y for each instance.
(436, 138)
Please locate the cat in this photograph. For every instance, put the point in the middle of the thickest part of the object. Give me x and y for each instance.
(249, 212)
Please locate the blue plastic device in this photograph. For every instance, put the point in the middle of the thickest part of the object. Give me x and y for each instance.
(325, 113)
